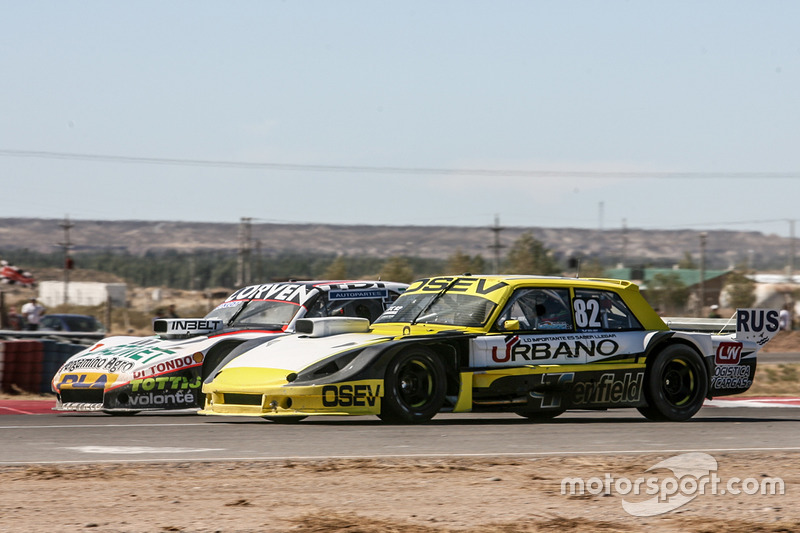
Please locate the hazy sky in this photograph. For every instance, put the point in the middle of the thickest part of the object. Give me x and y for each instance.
(662, 114)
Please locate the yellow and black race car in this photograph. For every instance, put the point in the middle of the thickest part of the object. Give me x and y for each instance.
(535, 346)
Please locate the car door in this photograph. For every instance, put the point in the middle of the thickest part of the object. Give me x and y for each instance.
(559, 326)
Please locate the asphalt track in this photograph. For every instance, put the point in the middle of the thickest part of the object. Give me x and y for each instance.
(731, 424)
(98, 438)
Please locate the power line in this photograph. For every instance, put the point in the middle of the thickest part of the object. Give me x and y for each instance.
(100, 158)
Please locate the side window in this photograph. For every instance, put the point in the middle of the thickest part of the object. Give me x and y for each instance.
(368, 308)
(317, 308)
(538, 310)
(597, 310)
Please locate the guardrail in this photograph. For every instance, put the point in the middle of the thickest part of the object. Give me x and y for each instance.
(75, 337)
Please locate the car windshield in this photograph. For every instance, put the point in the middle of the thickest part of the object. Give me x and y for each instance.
(272, 313)
(449, 309)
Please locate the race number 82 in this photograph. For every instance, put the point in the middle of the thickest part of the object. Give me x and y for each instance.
(587, 313)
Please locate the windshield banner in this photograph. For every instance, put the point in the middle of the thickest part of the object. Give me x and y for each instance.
(486, 288)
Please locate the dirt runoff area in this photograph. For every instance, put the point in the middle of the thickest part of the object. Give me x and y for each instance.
(419, 495)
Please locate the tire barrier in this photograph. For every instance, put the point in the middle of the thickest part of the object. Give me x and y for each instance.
(29, 366)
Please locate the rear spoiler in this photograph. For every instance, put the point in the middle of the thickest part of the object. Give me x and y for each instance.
(720, 326)
(757, 325)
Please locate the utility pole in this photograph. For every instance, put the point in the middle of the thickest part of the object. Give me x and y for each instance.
(66, 245)
(624, 242)
(601, 209)
(259, 270)
(790, 268)
(496, 247)
(703, 237)
(191, 273)
(245, 247)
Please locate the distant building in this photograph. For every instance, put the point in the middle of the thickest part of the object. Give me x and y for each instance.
(713, 281)
(51, 293)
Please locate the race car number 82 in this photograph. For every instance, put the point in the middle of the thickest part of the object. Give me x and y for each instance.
(587, 313)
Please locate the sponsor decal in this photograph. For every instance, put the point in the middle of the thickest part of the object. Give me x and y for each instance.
(161, 400)
(728, 353)
(130, 351)
(477, 286)
(517, 351)
(289, 292)
(81, 406)
(169, 383)
(393, 310)
(112, 364)
(193, 325)
(758, 325)
(85, 381)
(608, 389)
(187, 361)
(358, 294)
(552, 399)
(349, 395)
(731, 377)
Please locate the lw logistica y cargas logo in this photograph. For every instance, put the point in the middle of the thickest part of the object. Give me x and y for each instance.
(728, 353)
(693, 474)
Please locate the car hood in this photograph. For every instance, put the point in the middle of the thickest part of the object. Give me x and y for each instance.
(293, 353)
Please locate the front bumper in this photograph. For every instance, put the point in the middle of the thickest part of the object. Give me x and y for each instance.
(347, 398)
(102, 392)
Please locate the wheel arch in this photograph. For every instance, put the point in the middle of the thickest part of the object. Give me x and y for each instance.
(662, 342)
(371, 362)
(448, 350)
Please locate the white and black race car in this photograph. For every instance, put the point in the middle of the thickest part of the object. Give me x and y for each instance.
(125, 374)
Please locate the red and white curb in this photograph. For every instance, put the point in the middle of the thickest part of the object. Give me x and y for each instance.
(754, 401)
(26, 407)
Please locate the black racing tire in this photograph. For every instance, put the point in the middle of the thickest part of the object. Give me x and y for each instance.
(540, 416)
(284, 419)
(676, 385)
(415, 385)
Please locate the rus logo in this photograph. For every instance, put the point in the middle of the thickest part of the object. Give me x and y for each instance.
(728, 353)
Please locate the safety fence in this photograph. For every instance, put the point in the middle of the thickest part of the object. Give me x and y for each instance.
(29, 365)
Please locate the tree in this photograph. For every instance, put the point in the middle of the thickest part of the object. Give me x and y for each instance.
(668, 292)
(529, 256)
(740, 290)
(592, 268)
(461, 263)
(687, 262)
(397, 269)
(337, 269)
(478, 265)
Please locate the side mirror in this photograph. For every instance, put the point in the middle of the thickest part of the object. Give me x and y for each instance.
(511, 325)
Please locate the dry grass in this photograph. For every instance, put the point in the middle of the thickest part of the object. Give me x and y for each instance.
(776, 380)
